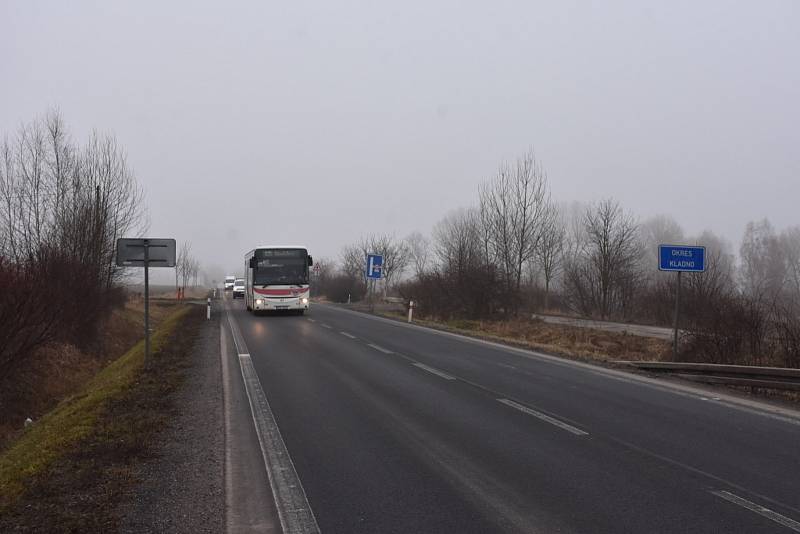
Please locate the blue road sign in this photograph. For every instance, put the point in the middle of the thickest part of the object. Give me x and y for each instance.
(681, 258)
(374, 266)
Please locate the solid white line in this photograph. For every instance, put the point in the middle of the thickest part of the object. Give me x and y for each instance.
(226, 403)
(760, 510)
(434, 371)
(378, 347)
(543, 417)
(294, 510)
(345, 334)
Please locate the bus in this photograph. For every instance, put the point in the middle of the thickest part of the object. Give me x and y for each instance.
(276, 278)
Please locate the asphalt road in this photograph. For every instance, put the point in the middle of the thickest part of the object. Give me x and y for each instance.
(400, 429)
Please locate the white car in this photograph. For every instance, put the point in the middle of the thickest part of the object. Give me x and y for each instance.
(229, 280)
(238, 288)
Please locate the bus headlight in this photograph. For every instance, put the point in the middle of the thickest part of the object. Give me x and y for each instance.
(304, 300)
(259, 302)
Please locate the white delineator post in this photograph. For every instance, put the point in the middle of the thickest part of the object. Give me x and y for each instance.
(410, 310)
(208, 309)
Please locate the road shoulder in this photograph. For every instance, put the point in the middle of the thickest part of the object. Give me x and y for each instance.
(180, 486)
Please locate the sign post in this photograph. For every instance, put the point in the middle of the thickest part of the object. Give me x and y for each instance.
(146, 252)
(374, 271)
(680, 258)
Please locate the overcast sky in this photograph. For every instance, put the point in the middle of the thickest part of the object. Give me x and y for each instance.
(312, 123)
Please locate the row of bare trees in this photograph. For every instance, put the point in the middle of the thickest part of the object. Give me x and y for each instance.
(517, 251)
(187, 267)
(62, 208)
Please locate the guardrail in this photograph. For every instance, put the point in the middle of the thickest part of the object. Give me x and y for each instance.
(733, 375)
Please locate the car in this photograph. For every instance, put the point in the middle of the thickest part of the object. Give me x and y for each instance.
(238, 288)
(229, 280)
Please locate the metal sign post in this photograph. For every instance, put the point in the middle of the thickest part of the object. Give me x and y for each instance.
(680, 258)
(374, 271)
(146, 252)
(146, 247)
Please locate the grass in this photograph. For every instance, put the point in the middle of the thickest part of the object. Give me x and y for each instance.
(26, 463)
(586, 344)
(59, 370)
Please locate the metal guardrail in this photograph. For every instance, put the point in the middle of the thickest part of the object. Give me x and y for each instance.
(733, 375)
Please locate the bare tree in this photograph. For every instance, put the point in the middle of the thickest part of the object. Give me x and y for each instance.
(790, 243)
(763, 265)
(395, 254)
(605, 276)
(418, 247)
(461, 283)
(183, 265)
(514, 207)
(550, 251)
(655, 231)
(456, 241)
(62, 208)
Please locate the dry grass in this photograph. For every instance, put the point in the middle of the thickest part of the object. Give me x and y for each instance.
(61, 447)
(168, 292)
(572, 342)
(58, 370)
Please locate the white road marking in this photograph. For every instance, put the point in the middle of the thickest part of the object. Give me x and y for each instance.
(326, 326)
(760, 510)
(226, 400)
(294, 510)
(435, 371)
(785, 415)
(310, 319)
(506, 366)
(378, 347)
(544, 417)
(345, 334)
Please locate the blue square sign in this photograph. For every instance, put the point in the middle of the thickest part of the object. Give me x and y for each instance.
(681, 258)
(374, 266)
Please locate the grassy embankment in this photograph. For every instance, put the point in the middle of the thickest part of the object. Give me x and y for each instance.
(67, 470)
(54, 372)
(585, 344)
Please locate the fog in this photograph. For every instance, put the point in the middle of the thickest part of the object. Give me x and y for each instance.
(313, 123)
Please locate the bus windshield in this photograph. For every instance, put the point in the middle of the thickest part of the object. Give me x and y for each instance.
(281, 266)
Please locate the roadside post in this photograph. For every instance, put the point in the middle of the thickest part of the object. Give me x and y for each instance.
(146, 252)
(680, 259)
(208, 309)
(410, 310)
(374, 271)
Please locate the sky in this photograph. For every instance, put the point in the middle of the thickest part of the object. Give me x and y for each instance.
(313, 123)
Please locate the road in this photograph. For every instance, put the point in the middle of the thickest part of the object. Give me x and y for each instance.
(642, 330)
(369, 425)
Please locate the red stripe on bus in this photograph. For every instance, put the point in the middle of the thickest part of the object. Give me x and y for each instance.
(281, 292)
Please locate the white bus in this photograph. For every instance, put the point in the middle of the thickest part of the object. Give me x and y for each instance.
(276, 278)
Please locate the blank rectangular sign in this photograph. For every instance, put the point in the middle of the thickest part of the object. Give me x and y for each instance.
(160, 252)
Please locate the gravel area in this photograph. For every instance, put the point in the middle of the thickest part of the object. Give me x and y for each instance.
(180, 486)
